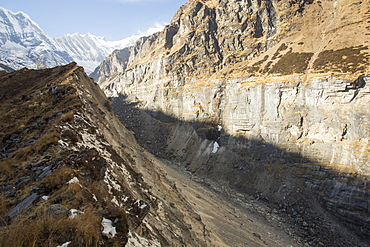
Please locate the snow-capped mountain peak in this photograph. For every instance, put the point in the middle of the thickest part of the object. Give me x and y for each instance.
(17, 17)
(24, 44)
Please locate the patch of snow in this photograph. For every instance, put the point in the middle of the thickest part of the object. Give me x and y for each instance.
(109, 230)
(73, 181)
(45, 198)
(65, 244)
(115, 93)
(141, 204)
(111, 183)
(92, 138)
(115, 201)
(96, 199)
(215, 147)
(115, 185)
(74, 212)
(219, 128)
(63, 143)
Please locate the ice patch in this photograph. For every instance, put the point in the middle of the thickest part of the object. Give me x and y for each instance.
(45, 198)
(73, 181)
(215, 147)
(109, 231)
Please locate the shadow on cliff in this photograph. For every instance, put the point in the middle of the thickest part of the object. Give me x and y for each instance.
(299, 189)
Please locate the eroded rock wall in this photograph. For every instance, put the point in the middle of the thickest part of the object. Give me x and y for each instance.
(287, 80)
(286, 73)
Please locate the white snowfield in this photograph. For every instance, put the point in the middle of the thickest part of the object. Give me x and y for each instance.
(24, 44)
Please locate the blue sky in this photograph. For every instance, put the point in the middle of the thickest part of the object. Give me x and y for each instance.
(113, 19)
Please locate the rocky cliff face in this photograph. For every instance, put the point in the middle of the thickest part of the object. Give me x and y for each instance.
(288, 81)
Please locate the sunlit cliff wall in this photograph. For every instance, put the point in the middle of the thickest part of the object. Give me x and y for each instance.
(294, 74)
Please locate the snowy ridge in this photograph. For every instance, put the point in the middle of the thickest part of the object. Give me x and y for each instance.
(89, 50)
(24, 44)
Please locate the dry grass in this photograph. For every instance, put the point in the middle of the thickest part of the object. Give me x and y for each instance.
(346, 60)
(70, 195)
(31, 112)
(25, 154)
(83, 230)
(291, 63)
(67, 117)
(282, 48)
(58, 179)
(260, 62)
(7, 171)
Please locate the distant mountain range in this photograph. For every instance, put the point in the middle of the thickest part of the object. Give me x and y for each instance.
(24, 44)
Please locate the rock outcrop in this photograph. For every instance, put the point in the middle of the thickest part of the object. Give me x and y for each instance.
(288, 81)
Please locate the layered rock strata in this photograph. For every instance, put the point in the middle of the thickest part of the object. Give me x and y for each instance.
(288, 81)
(286, 73)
